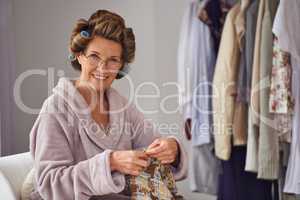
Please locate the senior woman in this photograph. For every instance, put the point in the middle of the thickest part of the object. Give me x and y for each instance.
(87, 136)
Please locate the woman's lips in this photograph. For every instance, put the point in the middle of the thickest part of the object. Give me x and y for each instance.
(100, 76)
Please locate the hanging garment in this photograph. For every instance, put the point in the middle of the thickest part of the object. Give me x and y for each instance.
(213, 14)
(284, 156)
(241, 109)
(184, 65)
(268, 146)
(245, 71)
(253, 122)
(204, 167)
(204, 170)
(226, 108)
(203, 61)
(263, 144)
(286, 27)
(281, 100)
(292, 182)
(237, 184)
(281, 94)
(240, 23)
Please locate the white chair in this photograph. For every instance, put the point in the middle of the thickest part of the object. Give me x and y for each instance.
(13, 171)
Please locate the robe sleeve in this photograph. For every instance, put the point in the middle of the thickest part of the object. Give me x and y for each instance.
(58, 176)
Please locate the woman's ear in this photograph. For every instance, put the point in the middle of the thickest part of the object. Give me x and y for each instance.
(80, 58)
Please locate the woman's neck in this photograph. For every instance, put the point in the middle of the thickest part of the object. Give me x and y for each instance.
(96, 100)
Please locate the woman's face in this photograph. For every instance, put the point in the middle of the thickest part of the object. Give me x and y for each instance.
(100, 63)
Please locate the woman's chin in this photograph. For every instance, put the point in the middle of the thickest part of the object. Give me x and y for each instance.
(100, 84)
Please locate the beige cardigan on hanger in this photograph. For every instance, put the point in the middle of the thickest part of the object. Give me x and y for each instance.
(229, 115)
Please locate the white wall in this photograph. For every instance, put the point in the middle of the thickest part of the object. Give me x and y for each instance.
(42, 33)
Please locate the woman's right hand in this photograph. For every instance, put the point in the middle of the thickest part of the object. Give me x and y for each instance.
(128, 162)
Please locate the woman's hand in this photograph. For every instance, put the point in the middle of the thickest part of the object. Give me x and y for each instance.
(164, 149)
(128, 162)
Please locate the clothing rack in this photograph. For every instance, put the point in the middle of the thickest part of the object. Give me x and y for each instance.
(246, 45)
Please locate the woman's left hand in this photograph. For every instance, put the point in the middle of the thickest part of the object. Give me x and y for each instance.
(164, 149)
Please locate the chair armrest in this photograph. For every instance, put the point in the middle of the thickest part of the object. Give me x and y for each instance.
(6, 191)
(14, 169)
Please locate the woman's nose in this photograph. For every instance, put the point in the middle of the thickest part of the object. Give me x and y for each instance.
(101, 64)
(102, 67)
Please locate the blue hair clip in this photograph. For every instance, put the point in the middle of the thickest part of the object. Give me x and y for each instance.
(84, 34)
(72, 57)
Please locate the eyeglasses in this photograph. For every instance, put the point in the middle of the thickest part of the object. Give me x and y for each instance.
(111, 63)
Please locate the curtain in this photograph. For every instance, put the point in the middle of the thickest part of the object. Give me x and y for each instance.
(7, 73)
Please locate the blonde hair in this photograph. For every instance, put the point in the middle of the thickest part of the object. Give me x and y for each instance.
(108, 25)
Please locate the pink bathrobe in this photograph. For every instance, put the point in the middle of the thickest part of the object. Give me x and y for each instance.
(71, 151)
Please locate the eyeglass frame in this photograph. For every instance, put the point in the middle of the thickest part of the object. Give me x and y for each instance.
(102, 61)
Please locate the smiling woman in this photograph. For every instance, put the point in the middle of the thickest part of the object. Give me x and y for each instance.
(107, 25)
(104, 37)
(96, 70)
(87, 136)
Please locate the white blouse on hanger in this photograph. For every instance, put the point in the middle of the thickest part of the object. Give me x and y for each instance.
(287, 27)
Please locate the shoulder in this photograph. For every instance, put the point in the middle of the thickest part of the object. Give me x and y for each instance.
(52, 104)
(53, 121)
(57, 109)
